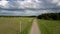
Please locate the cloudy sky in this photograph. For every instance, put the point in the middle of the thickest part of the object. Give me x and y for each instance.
(28, 7)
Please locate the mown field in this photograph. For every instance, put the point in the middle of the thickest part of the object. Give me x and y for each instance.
(49, 26)
(15, 25)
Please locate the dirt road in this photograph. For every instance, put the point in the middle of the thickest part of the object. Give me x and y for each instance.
(35, 29)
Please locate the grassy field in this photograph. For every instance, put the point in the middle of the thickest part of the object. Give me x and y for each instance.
(12, 25)
(25, 24)
(49, 26)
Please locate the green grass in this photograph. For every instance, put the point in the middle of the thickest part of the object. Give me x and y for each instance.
(11, 25)
(25, 24)
(49, 26)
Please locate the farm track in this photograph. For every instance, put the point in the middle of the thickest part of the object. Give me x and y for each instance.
(35, 29)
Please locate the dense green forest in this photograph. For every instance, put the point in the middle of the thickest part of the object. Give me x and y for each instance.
(49, 16)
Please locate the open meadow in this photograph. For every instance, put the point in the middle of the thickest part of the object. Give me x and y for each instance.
(49, 26)
(22, 25)
(15, 25)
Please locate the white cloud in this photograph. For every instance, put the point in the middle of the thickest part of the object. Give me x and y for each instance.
(55, 1)
(20, 4)
(29, 4)
(58, 4)
(3, 3)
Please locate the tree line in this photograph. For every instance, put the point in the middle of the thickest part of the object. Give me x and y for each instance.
(50, 16)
